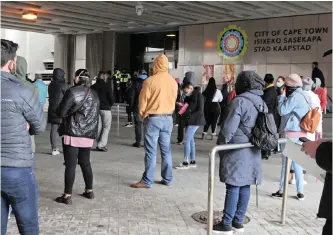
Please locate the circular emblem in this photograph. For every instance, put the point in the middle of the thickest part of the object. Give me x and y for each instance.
(232, 41)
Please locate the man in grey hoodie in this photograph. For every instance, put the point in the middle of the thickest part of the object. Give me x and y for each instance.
(21, 72)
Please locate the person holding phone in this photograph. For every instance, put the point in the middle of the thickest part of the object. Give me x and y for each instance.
(321, 150)
(292, 107)
(193, 118)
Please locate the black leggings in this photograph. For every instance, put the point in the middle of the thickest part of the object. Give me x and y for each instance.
(73, 156)
(212, 114)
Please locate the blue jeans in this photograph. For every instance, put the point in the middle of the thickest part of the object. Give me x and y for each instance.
(157, 131)
(19, 189)
(189, 144)
(235, 204)
(297, 168)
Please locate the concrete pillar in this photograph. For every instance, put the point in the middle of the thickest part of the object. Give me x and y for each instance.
(109, 49)
(64, 54)
(94, 53)
(80, 52)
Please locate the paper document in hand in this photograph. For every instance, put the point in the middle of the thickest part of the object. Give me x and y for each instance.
(294, 152)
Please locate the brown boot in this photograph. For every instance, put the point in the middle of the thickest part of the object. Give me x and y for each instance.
(139, 185)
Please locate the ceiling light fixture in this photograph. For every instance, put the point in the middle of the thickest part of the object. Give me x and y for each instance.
(171, 35)
(29, 15)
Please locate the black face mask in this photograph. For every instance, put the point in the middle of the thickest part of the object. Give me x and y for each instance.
(290, 90)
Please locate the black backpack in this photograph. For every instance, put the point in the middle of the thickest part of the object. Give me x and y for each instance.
(264, 133)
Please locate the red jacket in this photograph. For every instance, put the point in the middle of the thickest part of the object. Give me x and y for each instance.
(322, 93)
(231, 96)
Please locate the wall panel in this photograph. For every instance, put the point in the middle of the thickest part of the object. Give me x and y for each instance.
(198, 45)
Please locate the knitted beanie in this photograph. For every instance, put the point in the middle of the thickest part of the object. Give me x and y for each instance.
(293, 80)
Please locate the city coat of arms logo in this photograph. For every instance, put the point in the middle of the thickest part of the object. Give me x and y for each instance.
(232, 42)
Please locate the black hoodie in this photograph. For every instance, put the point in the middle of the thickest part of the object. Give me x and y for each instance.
(105, 94)
(57, 89)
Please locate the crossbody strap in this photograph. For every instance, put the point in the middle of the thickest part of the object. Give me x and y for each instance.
(298, 117)
(241, 126)
(81, 104)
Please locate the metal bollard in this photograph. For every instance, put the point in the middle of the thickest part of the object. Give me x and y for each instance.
(285, 191)
(118, 119)
(211, 179)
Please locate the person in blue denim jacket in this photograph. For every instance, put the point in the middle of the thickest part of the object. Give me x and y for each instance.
(292, 107)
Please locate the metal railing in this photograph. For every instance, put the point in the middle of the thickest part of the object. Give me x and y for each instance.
(118, 113)
(211, 181)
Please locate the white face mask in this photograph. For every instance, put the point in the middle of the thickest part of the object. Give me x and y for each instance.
(279, 84)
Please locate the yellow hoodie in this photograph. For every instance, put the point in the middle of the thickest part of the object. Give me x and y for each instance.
(159, 92)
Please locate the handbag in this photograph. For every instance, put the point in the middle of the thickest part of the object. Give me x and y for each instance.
(311, 120)
(61, 128)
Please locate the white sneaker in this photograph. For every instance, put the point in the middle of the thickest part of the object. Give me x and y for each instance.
(55, 152)
(304, 182)
(183, 166)
(292, 181)
(130, 124)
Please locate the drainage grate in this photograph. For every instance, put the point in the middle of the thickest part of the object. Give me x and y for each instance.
(202, 217)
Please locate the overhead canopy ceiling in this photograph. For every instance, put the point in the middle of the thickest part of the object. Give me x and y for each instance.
(79, 17)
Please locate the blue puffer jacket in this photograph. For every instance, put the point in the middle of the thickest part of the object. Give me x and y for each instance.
(42, 91)
(292, 110)
(241, 167)
(19, 106)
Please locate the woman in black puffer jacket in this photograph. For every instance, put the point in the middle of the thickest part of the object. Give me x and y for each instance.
(79, 110)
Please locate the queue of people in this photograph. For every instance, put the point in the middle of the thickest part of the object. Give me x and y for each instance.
(81, 115)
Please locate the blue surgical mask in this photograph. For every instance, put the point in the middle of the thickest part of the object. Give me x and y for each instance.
(279, 84)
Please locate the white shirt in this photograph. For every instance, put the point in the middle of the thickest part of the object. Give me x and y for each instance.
(218, 96)
(314, 102)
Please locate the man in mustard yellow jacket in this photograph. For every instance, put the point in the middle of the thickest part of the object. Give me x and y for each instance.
(156, 104)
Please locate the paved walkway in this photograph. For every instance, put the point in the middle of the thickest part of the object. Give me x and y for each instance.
(119, 209)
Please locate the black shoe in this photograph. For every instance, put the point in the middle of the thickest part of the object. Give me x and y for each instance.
(102, 149)
(265, 157)
(193, 164)
(237, 227)
(64, 200)
(300, 196)
(277, 195)
(136, 145)
(222, 229)
(88, 195)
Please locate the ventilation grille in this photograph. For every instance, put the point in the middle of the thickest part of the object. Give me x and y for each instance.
(46, 77)
(48, 65)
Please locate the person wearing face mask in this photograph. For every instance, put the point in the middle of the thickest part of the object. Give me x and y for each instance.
(193, 118)
(79, 111)
(279, 84)
(105, 95)
(293, 106)
(21, 116)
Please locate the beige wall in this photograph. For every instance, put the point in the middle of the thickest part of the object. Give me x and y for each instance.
(194, 52)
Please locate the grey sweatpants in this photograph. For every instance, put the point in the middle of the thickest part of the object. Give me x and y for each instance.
(104, 125)
(53, 136)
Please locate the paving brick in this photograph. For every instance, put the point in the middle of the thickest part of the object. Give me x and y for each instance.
(121, 210)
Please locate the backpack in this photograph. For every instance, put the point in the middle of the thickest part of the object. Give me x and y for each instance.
(311, 120)
(264, 133)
